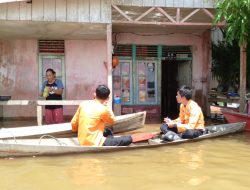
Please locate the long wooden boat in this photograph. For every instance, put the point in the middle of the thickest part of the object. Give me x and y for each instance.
(54, 146)
(234, 117)
(123, 123)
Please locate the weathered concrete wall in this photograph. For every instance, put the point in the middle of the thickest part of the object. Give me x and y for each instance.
(85, 68)
(19, 74)
(84, 65)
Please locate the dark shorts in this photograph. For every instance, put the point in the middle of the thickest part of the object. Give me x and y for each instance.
(188, 134)
(118, 141)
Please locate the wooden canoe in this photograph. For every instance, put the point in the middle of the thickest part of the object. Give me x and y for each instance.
(123, 123)
(235, 117)
(54, 146)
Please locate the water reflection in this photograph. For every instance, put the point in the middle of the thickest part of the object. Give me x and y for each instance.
(193, 160)
(86, 171)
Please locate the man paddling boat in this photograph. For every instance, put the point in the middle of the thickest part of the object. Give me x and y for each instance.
(90, 119)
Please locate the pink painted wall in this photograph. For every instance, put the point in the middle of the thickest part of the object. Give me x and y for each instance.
(19, 74)
(85, 69)
(84, 66)
(200, 49)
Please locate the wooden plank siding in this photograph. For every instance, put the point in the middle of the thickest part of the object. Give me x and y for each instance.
(25, 11)
(72, 10)
(83, 15)
(106, 12)
(13, 11)
(95, 14)
(167, 3)
(89, 11)
(37, 10)
(3, 11)
(148, 2)
(49, 10)
(61, 9)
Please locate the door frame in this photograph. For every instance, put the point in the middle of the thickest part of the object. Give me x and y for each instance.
(40, 80)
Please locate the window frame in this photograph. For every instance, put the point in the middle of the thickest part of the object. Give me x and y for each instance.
(121, 75)
(147, 60)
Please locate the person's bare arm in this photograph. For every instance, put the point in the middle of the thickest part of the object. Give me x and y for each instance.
(58, 91)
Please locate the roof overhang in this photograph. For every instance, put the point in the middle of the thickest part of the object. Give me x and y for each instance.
(162, 19)
(51, 30)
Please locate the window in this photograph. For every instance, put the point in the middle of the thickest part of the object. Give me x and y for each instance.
(122, 78)
(135, 77)
(147, 81)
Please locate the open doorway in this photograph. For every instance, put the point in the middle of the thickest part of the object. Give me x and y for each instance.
(169, 86)
(175, 73)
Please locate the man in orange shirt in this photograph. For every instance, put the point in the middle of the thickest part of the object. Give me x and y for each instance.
(189, 124)
(90, 119)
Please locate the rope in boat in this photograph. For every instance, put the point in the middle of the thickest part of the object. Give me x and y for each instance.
(58, 141)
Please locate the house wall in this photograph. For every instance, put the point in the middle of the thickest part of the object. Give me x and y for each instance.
(19, 74)
(200, 51)
(85, 69)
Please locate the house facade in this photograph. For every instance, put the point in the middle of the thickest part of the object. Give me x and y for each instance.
(160, 45)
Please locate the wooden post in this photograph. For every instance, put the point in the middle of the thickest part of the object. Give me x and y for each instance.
(206, 75)
(1, 113)
(109, 61)
(39, 111)
(242, 75)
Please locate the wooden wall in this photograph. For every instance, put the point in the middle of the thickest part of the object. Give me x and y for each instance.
(168, 3)
(92, 11)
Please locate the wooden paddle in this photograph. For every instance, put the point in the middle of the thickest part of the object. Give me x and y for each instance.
(137, 137)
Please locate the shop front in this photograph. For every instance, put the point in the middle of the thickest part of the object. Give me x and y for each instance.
(147, 78)
(160, 48)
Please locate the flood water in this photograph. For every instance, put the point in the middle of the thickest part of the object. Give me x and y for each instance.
(220, 163)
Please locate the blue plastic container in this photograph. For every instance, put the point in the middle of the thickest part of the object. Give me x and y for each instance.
(117, 100)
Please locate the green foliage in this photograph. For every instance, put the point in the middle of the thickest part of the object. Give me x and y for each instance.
(225, 64)
(236, 13)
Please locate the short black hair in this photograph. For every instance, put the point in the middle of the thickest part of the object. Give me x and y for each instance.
(102, 92)
(51, 70)
(185, 91)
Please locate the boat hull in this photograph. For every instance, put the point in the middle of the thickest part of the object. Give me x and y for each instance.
(123, 123)
(235, 117)
(54, 146)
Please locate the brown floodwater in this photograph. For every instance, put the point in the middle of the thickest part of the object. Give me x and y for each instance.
(220, 163)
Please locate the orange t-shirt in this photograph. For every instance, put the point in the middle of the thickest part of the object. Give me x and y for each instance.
(190, 117)
(89, 120)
